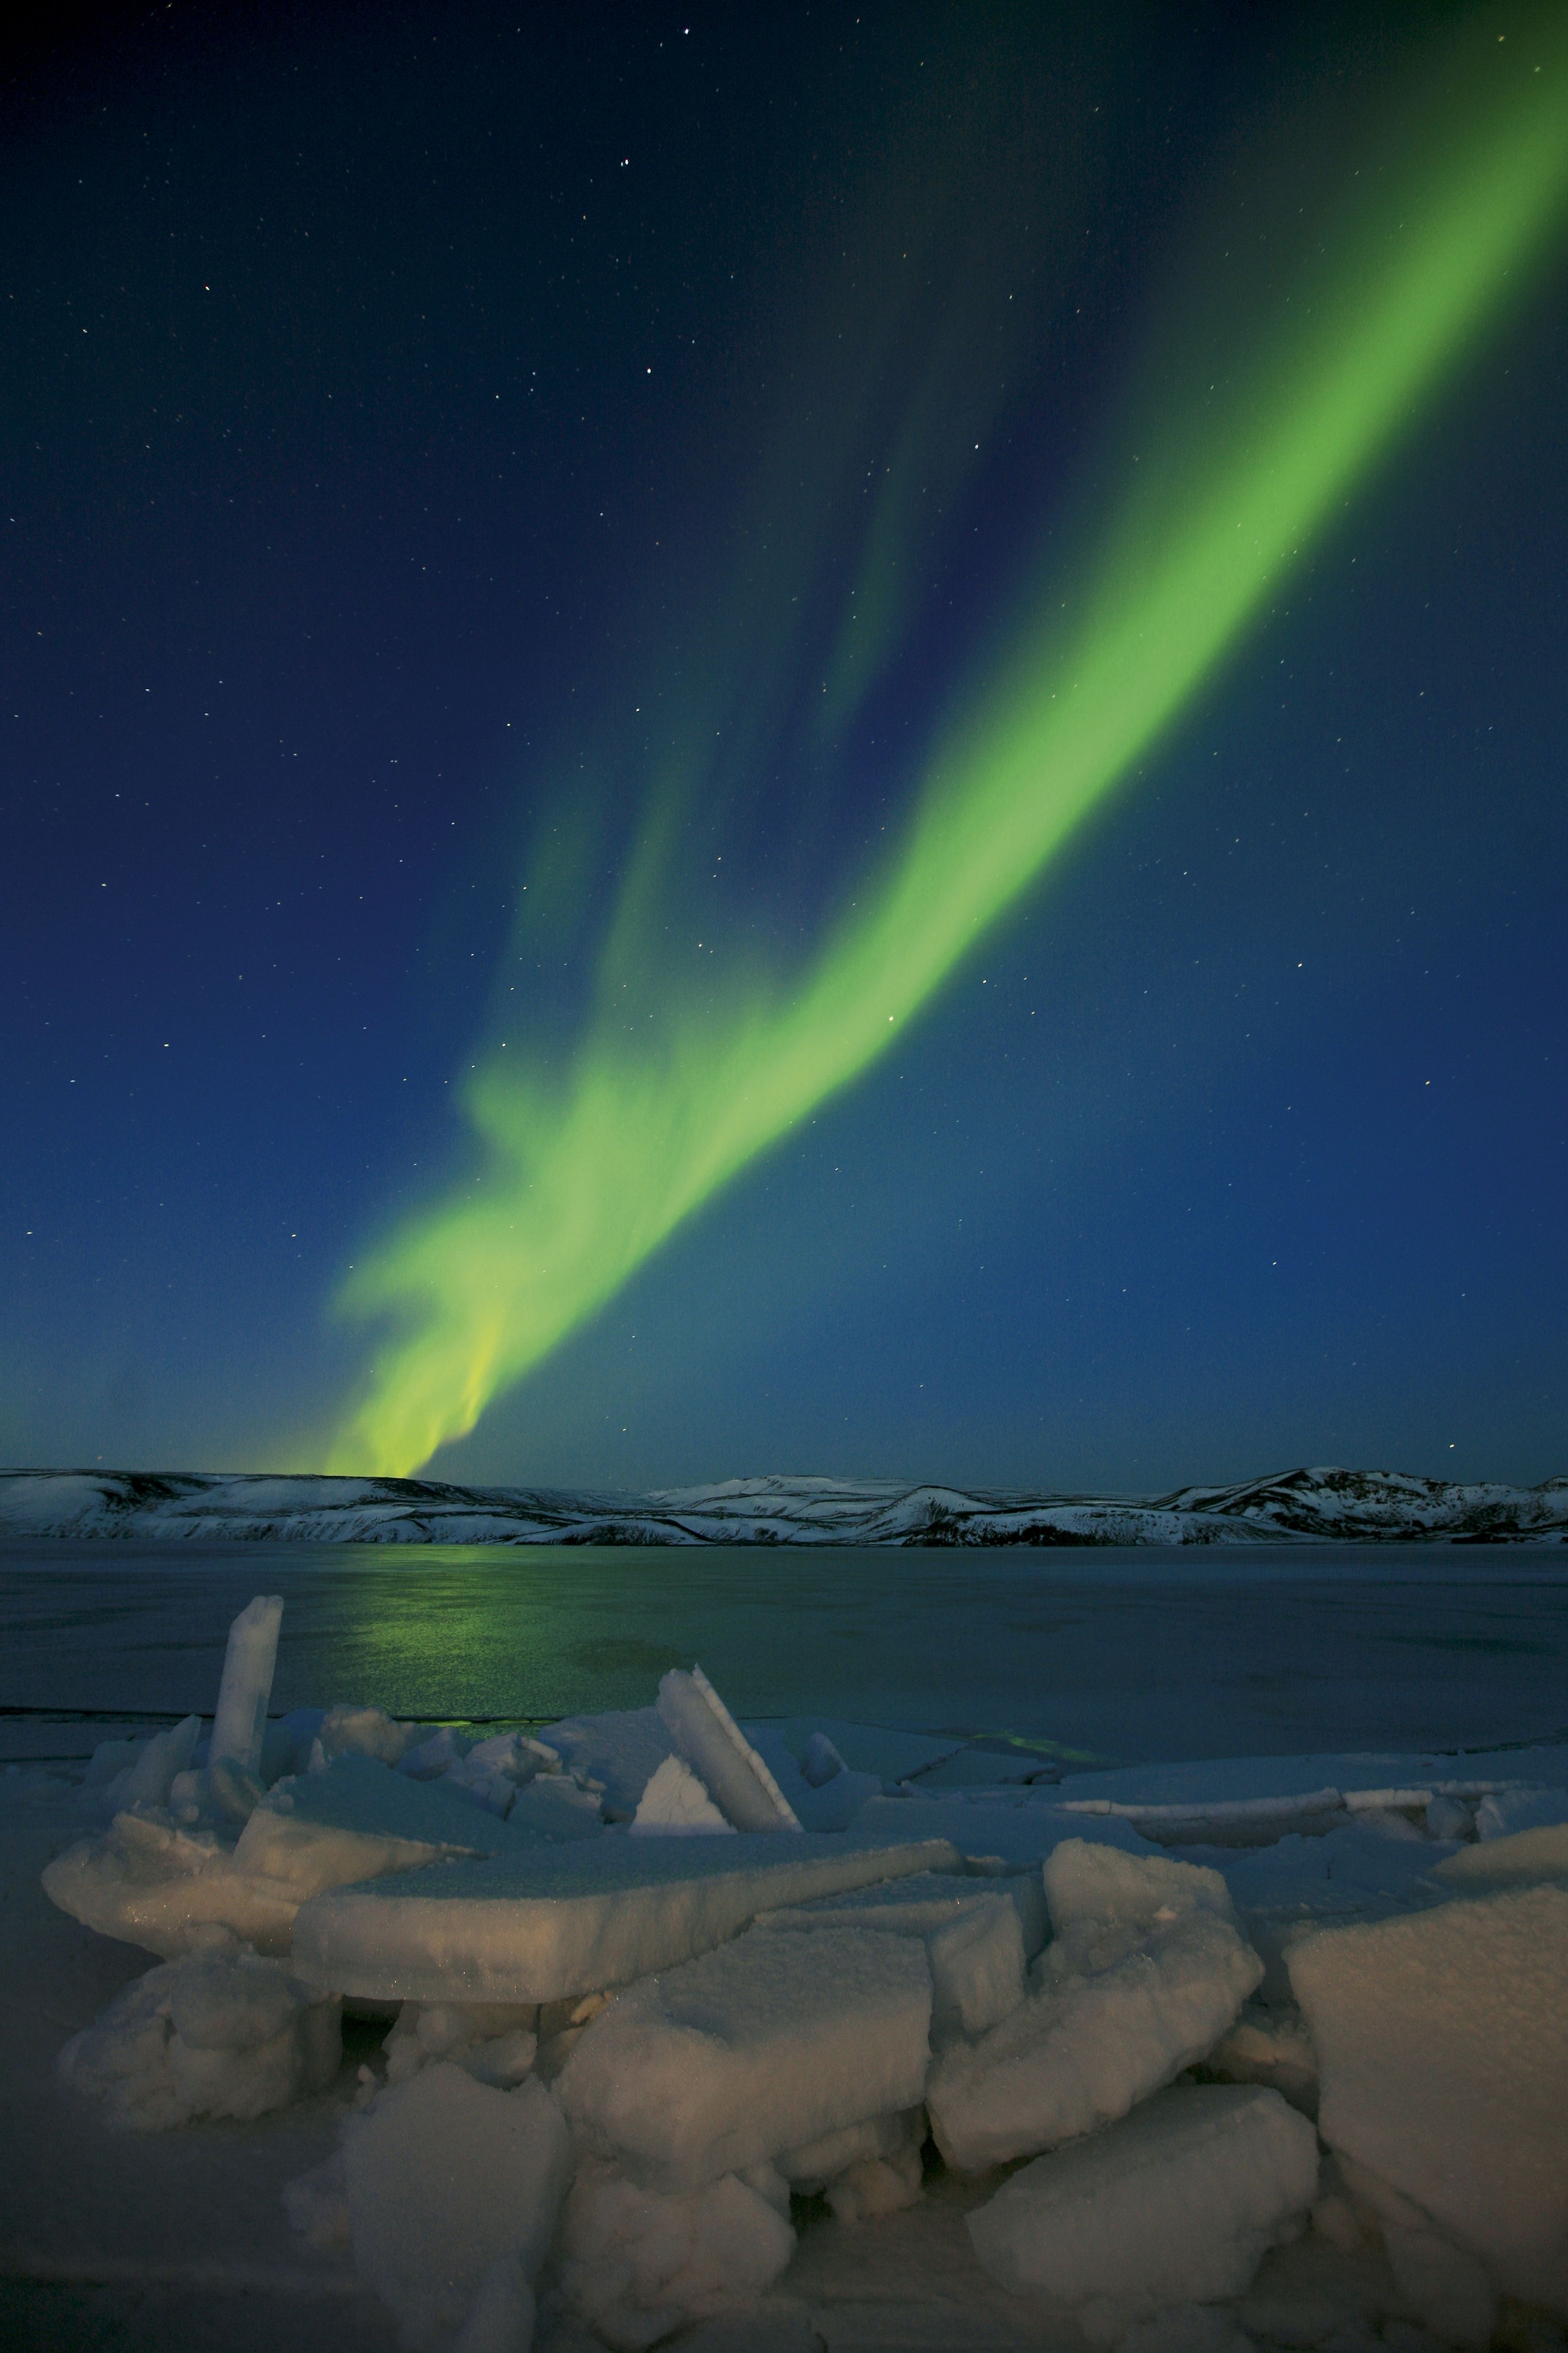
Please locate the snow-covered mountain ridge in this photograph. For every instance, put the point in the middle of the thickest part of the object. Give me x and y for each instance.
(1320, 1505)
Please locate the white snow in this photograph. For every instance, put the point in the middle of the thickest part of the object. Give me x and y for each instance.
(1144, 1974)
(1322, 1505)
(770, 2042)
(221, 2033)
(636, 2264)
(1442, 2038)
(704, 1732)
(556, 1921)
(241, 1722)
(1175, 2205)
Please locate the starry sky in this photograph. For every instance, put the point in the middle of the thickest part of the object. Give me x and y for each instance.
(512, 516)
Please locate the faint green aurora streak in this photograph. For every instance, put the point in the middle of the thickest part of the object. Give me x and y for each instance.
(584, 1174)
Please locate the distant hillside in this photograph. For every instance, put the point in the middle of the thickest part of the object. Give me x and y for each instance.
(1318, 1506)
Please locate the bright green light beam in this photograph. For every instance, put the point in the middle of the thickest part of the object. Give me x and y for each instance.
(582, 1178)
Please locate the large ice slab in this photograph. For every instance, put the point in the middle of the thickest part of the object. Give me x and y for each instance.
(1175, 2205)
(767, 2044)
(1145, 1973)
(1442, 2039)
(558, 1921)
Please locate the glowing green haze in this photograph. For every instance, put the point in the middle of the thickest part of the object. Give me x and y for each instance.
(586, 1173)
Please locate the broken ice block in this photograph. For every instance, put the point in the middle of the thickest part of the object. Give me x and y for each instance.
(769, 2042)
(635, 2265)
(553, 1806)
(241, 1722)
(357, 1821)
(153, 1885)
(971, 1932)
(151, 1775)
(446, 2177)
(676, 1805)
(706, 1735)
(1517, 1859)
(815, 2163)
(538, 1924)
(157, 1887)
(219, 2033)
(1129, 1994)
(1175, 2205)
(1442, 2039)
(496, 2042)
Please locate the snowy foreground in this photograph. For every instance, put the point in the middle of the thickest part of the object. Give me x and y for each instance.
(663, 2029)
(1318, 1506)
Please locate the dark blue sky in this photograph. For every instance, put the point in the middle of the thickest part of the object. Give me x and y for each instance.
(381, 391)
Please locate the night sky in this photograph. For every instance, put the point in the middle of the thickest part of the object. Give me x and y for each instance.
(512, 516)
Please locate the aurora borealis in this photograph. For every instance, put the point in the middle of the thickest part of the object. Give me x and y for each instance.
(828, 661)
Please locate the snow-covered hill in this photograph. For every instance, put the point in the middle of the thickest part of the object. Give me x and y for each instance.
(1315, 1506)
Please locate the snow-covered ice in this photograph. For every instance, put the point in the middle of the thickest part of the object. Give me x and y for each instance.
(156, 1884)
(1442, 2039)
(1174, 2206)
(496, 2042)
(1144, 1974)
(445, 2181)
(973, 1934)
(1522, 1859)
(636, 2264)
(704, 1732)
(617, 2054)
(770, 2042)
(239, 1724)
(221, 2033)
(676, 1805)
(558, 1921)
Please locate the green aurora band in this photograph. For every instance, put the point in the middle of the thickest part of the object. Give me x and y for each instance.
(584, 1173)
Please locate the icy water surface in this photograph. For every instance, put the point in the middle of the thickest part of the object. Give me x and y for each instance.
(1110, 1654)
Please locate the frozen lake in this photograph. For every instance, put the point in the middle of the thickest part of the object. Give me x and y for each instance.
(1117, 1655)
